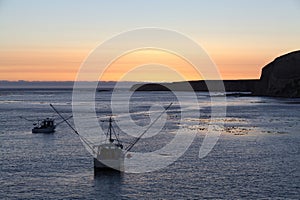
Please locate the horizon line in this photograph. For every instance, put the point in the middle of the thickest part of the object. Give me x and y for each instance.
(148, 81)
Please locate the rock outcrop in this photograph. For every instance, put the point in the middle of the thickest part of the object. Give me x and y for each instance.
(280, 78)
(214, 86)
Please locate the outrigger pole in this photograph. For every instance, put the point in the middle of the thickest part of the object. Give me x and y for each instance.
(138, 138)
(88, 143)
(64, 120)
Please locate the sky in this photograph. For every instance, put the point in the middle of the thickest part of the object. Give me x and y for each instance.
(44, 40)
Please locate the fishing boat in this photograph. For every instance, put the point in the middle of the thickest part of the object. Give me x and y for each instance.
(44, 126)
(110, 155)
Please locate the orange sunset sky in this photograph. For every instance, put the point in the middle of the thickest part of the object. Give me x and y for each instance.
(48, 40)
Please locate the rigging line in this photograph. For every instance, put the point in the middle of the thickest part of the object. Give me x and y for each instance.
(64, 120)
(27, 119)
(137, 139)
(88, 143)
(101, 141)
(122, 141)
(117, 138)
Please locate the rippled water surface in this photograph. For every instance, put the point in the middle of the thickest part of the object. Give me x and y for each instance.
(257, 155)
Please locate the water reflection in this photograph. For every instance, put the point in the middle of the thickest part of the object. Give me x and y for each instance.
(108, 184)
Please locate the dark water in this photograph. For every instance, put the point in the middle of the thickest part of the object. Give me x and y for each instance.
(257, 155)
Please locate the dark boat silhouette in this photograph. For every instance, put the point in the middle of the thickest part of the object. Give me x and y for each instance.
(44, 126)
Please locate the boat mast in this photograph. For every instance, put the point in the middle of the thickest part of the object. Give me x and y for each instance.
(110, 126)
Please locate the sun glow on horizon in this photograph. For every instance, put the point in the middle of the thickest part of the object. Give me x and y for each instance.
(150, 65)
(142, 65)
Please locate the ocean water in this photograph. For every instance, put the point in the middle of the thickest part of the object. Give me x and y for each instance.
(257, 155)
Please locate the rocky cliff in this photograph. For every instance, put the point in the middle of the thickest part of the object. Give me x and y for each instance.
(281, 78)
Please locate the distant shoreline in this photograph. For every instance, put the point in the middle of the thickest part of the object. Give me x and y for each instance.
(4, 84)
(246, 85)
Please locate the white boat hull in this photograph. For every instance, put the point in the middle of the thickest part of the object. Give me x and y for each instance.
(109, 157)
(105, 165)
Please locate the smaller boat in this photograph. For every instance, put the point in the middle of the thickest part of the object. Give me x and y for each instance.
(44, 126)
